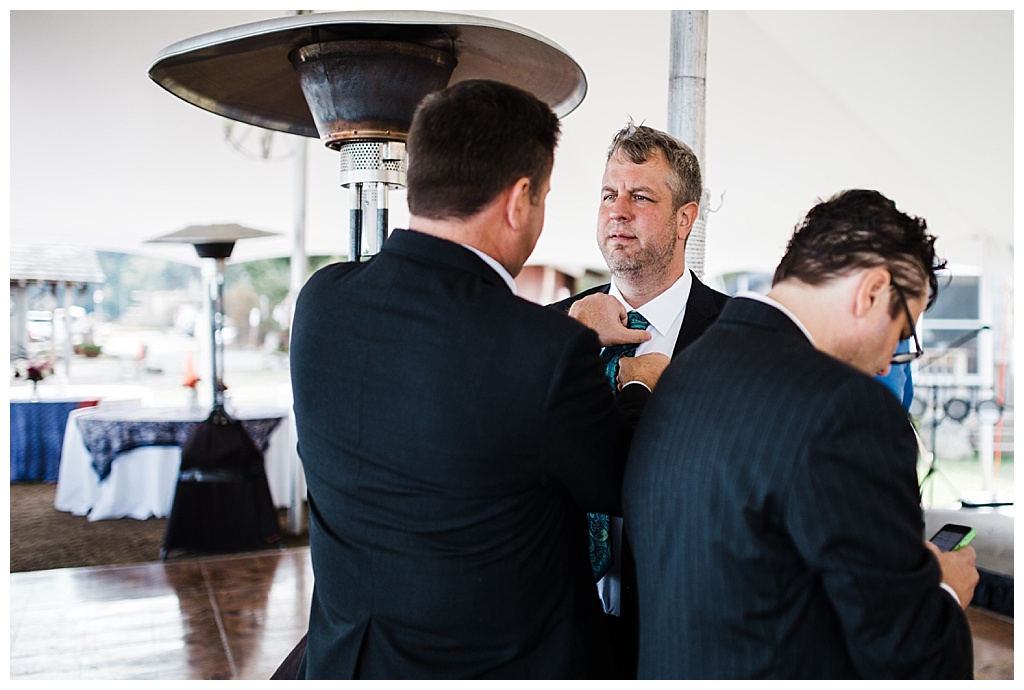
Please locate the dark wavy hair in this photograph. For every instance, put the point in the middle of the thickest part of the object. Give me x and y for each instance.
(638, 143)
(861, 228)
(471, 141)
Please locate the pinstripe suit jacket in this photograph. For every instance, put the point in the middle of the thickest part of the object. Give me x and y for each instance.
(772, 503)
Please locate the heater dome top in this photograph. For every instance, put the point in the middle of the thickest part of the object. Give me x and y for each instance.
(212, 241)
(244, 72)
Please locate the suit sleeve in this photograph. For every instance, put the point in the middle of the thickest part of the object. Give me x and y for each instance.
(585, 435)
(631, 400)
(854, 513)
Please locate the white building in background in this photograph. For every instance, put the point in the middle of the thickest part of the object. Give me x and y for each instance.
(48, 280)
(963, 385)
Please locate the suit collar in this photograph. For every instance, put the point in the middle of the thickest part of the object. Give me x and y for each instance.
(424, 247)
(763, 314)
(777, 305)
(497, 267)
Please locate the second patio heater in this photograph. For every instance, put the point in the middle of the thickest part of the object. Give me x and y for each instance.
(215, 242)
(353, 79)
(222, 498)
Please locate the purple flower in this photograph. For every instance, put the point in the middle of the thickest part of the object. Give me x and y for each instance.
(33, 371)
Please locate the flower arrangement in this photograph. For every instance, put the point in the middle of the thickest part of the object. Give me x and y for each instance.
(32, 370)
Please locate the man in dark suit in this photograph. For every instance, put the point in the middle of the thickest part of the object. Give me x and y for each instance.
(771, 492)
(650, 193)
(452, 433)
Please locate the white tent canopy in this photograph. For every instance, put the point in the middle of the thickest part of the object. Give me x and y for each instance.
(800, 105)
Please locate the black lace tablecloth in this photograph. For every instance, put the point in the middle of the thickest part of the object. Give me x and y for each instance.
(106, 434)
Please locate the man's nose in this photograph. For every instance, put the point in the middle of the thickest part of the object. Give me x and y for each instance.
(620, 209)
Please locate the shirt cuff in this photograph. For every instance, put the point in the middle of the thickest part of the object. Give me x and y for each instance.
(639, 383)
(951, 593)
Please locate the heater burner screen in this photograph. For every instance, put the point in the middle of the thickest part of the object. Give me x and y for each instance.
(372, 161)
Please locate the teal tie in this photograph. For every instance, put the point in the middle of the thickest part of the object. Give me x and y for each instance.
(613, 353)
(601, 524)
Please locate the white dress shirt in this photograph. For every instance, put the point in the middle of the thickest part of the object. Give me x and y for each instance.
(665, 315)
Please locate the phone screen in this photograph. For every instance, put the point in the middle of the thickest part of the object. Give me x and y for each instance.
(950, 536)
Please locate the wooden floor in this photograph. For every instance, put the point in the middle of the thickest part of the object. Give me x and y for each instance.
(227, 617)
(214, 618)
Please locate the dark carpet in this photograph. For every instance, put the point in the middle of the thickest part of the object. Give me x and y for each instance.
(44, 538)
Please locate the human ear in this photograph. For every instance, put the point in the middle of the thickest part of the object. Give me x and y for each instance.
(870, 288)
(686, 216)
(518, 203)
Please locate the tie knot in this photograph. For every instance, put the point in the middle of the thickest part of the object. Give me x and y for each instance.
(637, 320)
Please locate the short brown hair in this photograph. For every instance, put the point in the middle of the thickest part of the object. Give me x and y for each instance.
(638, 143)
(473, 140)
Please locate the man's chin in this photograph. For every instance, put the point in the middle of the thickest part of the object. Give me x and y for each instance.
(623, 267)
(619, 259)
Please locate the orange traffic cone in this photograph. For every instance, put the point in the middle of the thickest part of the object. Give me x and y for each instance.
(189, 378)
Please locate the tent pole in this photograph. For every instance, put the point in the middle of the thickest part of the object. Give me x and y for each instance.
(686, 108)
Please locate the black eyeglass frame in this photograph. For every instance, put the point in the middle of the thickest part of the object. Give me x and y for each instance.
(907, 357)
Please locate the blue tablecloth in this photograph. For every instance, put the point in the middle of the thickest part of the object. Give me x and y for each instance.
(105, 435)
(37, 436)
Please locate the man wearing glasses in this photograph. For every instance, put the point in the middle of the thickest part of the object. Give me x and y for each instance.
(900, 380)
(771, 492)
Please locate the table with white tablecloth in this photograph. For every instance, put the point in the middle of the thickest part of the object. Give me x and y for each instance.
(125, 463)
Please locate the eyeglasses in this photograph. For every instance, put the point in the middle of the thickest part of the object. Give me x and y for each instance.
(905, 357)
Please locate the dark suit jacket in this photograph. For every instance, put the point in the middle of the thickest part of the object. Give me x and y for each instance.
(452, 436)
(702, 308)
(771, 499)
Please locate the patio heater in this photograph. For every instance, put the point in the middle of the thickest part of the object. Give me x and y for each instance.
(222, 499)
(353, 79)
(215, 242)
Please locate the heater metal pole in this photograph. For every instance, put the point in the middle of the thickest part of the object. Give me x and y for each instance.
(355, 232)
(216, 334)
(211, 293)
(382, 214)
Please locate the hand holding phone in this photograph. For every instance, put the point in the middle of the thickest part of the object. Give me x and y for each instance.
(952, 537)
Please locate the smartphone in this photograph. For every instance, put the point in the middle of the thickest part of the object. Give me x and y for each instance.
(952, 537)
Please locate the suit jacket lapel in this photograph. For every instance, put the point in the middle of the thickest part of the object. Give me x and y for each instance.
(701, 311)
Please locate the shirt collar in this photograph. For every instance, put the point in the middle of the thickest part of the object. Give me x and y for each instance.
(757, 296)
(498, 268)
(662, 311)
